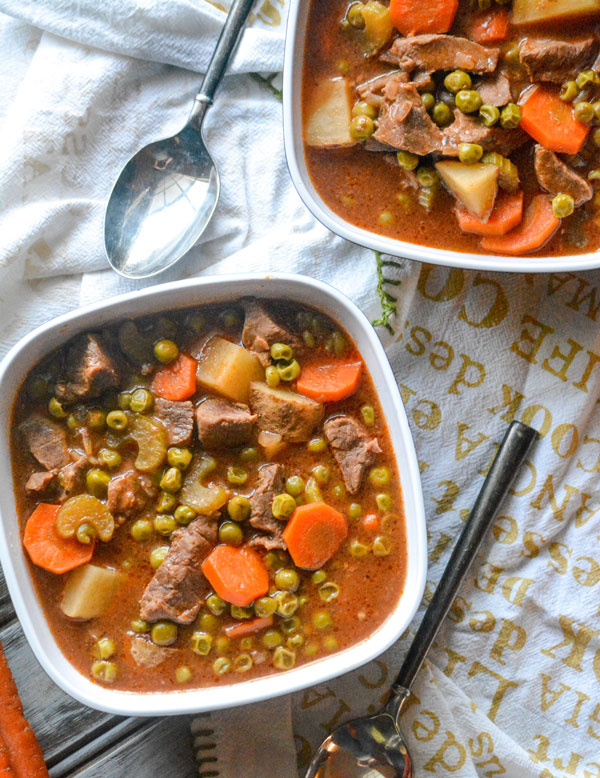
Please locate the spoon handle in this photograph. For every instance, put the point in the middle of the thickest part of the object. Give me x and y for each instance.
(236, 18)
(507, 462)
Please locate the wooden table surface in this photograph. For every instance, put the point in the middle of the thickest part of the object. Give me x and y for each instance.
(79, 741)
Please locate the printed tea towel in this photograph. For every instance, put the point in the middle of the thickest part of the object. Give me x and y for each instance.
(512, 685)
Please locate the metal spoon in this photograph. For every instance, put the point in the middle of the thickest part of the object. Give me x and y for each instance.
(374, 747)
(167, 193)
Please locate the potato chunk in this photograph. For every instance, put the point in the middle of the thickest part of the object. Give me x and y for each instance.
(475, 186)
(228, 369)
(536, 11)
(89, 590)
(329, 115)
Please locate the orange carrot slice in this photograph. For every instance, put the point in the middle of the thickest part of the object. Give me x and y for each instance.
(176, 381)
(551, 121)
(248, 627)
(491, 26)
(538, 226)
(45, 546)
(237, 575)
(314, 534)
(507, 214)
(413, 17)
(329, 381)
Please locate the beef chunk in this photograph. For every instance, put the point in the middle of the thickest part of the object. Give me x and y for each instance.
(441, 52)
(495, 90)
(352, 448)
(145, 653)
(46, 440)
(270, 483)
(467, 129)
(556, 177)
(405, 123)
(178, 587)
(89, 370)
(70, 475)
(556, 61)
(223, 424)
(129, 493)
(289, 414)
(39, 482)
(261, 331)
(178, 420)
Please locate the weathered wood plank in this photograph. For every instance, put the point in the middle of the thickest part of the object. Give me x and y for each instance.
(6, 608)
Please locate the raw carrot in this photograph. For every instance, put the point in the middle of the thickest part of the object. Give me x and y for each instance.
(19, 745)
(538, 226)
(329, 381)
(176, 381)
(491, 26)
(551, 121)
(45, 546)
(507, 214)
(413, 17)
(314, 534)
(237, 575)
(248, 627)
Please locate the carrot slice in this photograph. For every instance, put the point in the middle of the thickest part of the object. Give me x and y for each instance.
(492, 26)
(413, 17)
(237, 575)
(176, 381)
(551, 121)
(329, 381)
(21, 753)
(248, 627)
(314, 534)
(507, 214)
(538, 226)
(45, 546)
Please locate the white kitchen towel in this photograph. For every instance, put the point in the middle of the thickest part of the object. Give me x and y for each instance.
(512, 684)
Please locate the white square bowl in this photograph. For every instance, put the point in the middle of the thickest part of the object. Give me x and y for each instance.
(165, 297)
(294, 151)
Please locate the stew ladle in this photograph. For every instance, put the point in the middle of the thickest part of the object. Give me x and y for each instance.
(166, 194)
(374, 747)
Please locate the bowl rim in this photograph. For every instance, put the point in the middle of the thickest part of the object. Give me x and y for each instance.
(294, 152)
(27, 352)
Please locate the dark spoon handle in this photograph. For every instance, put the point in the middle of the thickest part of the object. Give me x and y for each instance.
(507, 462)
(234, 23)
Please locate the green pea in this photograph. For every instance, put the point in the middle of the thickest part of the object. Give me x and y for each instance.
(222, 644)
(321, 474)
(427, 176)
(362, 108)
(140, 626)
(238, 508)
(221, 665)
(264, 607)
(110, 457)
(141, 530)
(358, 549)
(330, 643)
(489, 115)
(275, 560)
(242, 663)
(312, 493)
(512, 55)
(86, 533)
(428, 100)
(201, 643)
(166, 503)
(247, 643)
(468, 101)
(294, 485)
(287, 579)
(184, 515)
(164, 633)
(510, 116)
(362, 127)
(56, 409)
(124, 400)
(368, 414)
(171, 480)
(594, 175)
(287, 603)
(231, 533)
(563, 205)
(208, 622)
(441, 114)
(96, 482)
(231, 319)
(196, 322)
(379, 476)
(317, 445)
(586, 78)
(238, 612)
(469, 153)
(158, 556)
(282, 351)
(295, 641)
(309, 339)
(322, 620)
(215, 604)
(457, 80)
(141, 401)
(108, 672)
(329, 591)
(355, 510)
(384, 502)
(179, 457)
(104, 648)
(272, 376)
(236, 475)
(339, 491)
(249, 454)
(311, 649)
(289, 372)
(116, 420)
(382, 545)
(318, 577)
(283, 658)
(166, 351)
(164, 524)
(339, 343)
(183, 674)
(569, 91)
(72, 422)
(584, 112)
(386, 218)
(283, 506)
(406, 159)
(272, 638)
(355, 16)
